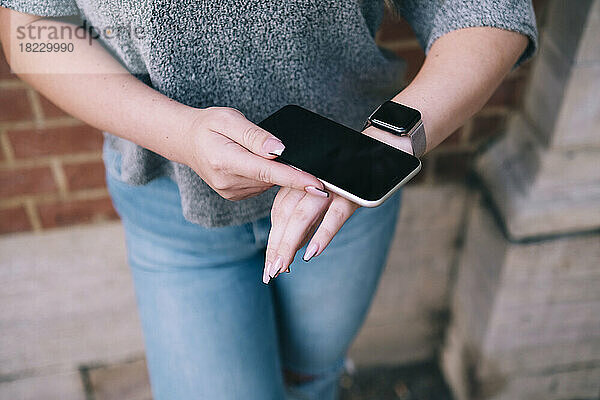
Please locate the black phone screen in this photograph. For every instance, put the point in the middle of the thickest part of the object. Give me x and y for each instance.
(337, 154)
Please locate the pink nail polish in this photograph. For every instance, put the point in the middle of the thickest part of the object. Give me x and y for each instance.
(316, 191)
(273, 146)
(311, 250)
(266, 277)
(275, 267)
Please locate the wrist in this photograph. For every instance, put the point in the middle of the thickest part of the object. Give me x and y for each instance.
(413, 97)
(403, 121)
(186, 137)
(400, 142)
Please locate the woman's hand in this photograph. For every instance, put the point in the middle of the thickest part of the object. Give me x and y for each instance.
(294, 217)
(231, 154)
(234, 156)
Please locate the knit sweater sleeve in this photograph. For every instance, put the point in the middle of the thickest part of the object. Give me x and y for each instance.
(432, 19)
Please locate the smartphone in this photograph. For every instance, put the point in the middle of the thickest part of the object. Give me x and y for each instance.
(355, 166)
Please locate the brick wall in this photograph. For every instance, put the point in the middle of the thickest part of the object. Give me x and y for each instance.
(51, 172)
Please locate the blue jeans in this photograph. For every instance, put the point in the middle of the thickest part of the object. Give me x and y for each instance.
(213, 330)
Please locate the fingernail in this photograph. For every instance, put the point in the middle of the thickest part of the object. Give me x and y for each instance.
(287, 270)
(316, 191)
(275, 267)
(282, 269)
(266, 277)
(311, 250)
(273, 146)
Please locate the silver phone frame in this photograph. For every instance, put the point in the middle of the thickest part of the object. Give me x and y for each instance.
(360, 201)
(370, 203)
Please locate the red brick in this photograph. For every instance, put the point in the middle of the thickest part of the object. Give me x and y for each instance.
(85, 176)
(509, 93)
(5, 68)
(14, 220)
(54, 141)
(49, 109)
(452, 166)
(414, 58)
(14, 105)
(486, 127)
(76, 212)
(26, 181)
(394, 28)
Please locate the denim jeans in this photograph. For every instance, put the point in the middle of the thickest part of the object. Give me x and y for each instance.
(213, 330)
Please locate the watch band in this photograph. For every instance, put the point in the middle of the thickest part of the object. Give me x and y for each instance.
(418, 139)
(416, 133)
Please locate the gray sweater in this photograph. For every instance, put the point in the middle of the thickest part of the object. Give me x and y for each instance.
(258, 56)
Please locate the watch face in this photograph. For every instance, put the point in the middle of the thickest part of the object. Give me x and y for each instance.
(395, 116)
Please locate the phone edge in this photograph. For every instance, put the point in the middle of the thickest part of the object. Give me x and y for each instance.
(371, 203)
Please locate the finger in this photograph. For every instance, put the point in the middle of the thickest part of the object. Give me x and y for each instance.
(337, 214)
(309, 232)
(241, 194)
(281, 194)
(244, 188)
(275, 173)
(302, 221)
(279, 217)
(283, 206)
(247, 183)
(254, 138)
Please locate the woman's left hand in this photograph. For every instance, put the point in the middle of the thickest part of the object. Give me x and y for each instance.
(296, 214)
(294, 217)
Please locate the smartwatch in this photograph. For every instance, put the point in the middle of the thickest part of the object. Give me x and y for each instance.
(400, 120)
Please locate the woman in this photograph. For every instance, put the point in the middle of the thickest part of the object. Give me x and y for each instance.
(180, 88)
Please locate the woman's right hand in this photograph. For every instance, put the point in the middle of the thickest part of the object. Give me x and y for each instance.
(230, 153)
(235, 157)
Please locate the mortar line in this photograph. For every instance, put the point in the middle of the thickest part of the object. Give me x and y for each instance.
(56, 122)
(45, 161)
(36, 107)
(7, 149)
(12, 84)
(84, 194)
(33, 215)
(59, 177)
